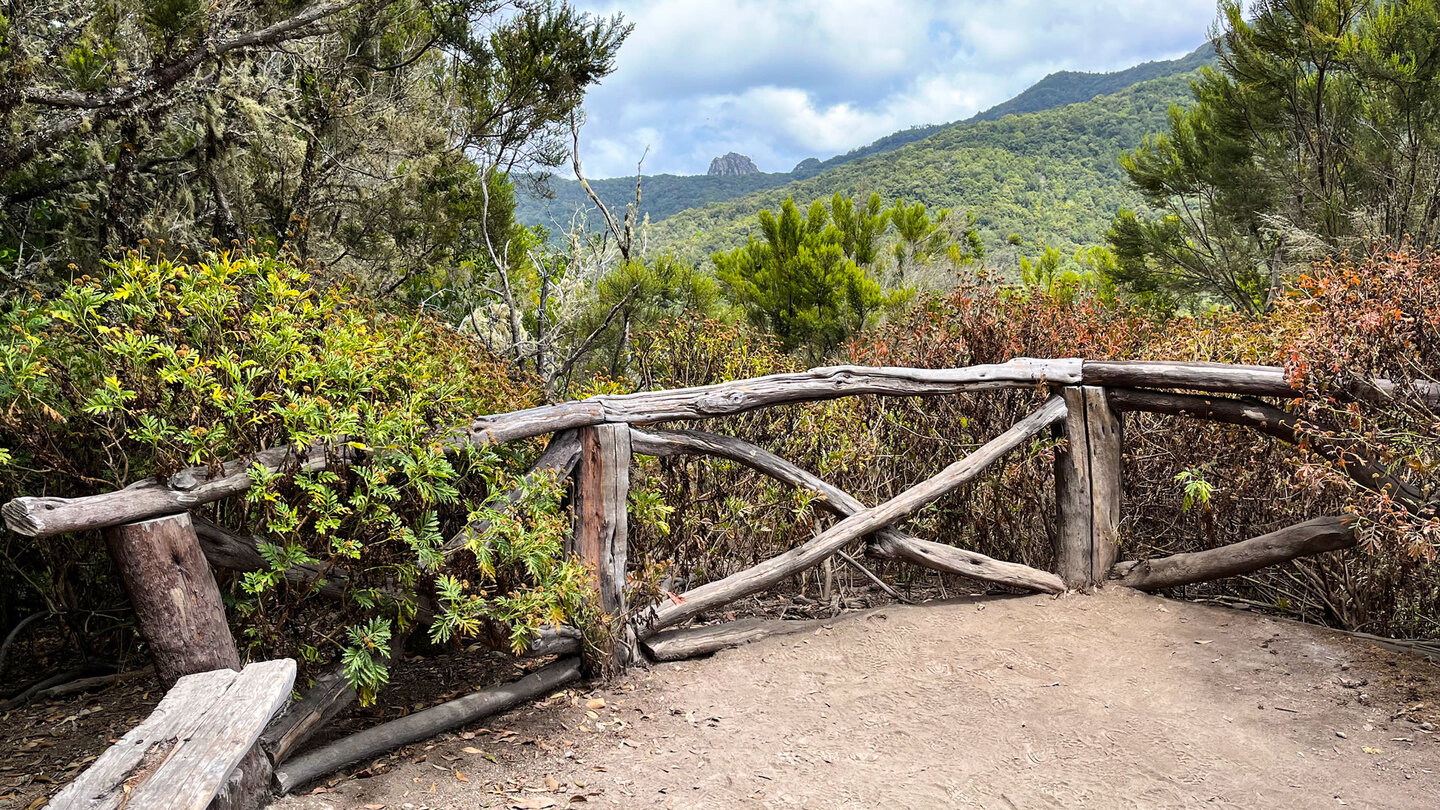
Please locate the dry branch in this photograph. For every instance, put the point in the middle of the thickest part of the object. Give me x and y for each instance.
(1276, 423)
(1311, 537)
(422, 724)
(689, 642)
(857, 525)
(887, 543)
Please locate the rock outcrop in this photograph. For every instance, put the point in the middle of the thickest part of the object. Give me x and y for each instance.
(731, 165)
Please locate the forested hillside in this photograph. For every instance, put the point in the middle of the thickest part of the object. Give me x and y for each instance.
(668, 194)
(1070, 86)
(1051, 176)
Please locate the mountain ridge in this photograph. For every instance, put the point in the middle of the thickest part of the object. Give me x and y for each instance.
(1050, 177)
(665, 195)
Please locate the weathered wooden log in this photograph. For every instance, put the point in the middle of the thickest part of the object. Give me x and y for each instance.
(1072, 494)
(422, 724)
(602, 491)
(92, 684)
(962, 562)
(1311, 537)
(299, 720)
(187, 489)
(1276, 423)
(1222, 377)
(40, 517)
(558, 460)
(1381, 390)
(739, 396)
(857, 525)
(331, 694)
(888, 543)
(44, 516)
(689, 642)
(554, 641)
(1087, 488)
(1105, 439)
(186, 755)
(177, 603)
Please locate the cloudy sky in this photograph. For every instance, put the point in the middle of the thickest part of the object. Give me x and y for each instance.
(783, 80)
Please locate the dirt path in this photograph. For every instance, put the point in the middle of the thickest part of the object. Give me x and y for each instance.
(1113, 700)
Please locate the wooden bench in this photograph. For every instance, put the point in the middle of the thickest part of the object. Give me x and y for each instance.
(196, 750)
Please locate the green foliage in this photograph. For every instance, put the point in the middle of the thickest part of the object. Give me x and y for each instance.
(354, 137)
(800, 283)
(1198, 491)
(1316, 134)
(520, 556)
(638, 296)
(1087, 273)
(364, 660)
(156, 365)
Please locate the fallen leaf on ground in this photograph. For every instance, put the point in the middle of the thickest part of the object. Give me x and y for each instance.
(470, 749)
(462, 777)
(595, 703)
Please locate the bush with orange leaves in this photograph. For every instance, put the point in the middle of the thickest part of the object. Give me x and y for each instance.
(1189, 484)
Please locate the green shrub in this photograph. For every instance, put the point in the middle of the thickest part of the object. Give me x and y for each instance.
(158, 365)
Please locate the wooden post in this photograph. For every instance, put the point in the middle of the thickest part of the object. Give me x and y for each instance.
(601, 496)
(1088, 486)
(176, 600)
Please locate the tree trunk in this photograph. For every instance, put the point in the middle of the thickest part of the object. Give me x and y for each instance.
(176, 601)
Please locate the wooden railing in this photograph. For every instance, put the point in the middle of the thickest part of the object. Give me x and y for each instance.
(166, 563)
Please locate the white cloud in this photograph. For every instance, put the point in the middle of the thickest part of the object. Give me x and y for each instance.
(812, 78)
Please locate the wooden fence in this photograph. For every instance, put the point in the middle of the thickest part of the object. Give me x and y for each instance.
(165, 556)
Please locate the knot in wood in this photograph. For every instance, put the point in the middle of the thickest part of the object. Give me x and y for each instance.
(722, 402)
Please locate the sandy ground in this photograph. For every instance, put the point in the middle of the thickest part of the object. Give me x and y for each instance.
(1111, 700)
